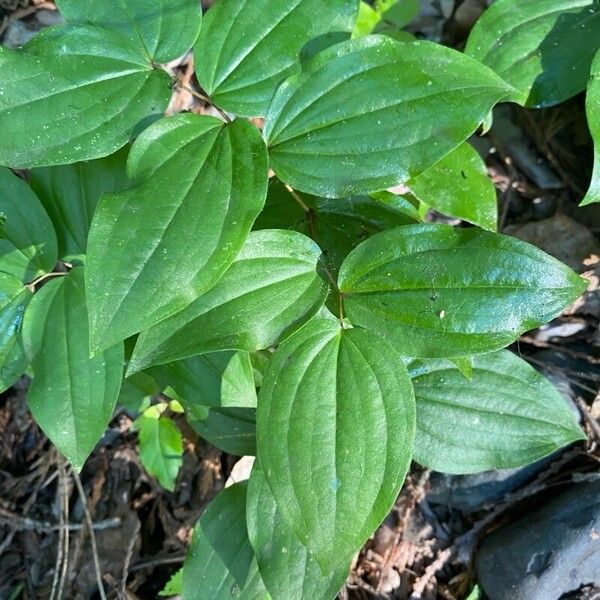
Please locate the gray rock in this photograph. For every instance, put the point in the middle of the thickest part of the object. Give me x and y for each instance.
(550, 552)
(470, 493)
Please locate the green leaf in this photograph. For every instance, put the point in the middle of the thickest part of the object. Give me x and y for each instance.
(72, 396)
(464, 364)
(368, 114)
(72, 94)
(271, 289)
(337, 225)
(288, 571)
(247, 47)
(543, 48)
(14, 299)
(436, 291)
(219, 563)
(219, 379)
(335, 427)
(507, 415)
(27, 239)
(592, 105)
(398, 13)
(232, 430)
(459, 186)
(367, 20)
(70, 194)
(174, 586)
(161, 446)
(163, 29)
(137, 392)
(155, 248)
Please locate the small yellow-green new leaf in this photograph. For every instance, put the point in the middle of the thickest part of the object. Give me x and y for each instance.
(161, 446)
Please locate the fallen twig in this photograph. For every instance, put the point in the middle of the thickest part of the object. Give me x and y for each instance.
(88, 519)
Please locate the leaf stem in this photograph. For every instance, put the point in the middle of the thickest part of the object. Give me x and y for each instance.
(204, 99)
(310, 217)
(43, 277)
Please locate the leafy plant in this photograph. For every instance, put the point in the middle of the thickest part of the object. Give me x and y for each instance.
(162, 248)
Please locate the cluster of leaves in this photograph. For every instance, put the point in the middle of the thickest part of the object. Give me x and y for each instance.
(371, 336)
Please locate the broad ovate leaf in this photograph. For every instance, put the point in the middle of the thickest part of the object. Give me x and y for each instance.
(157, 247)
(72, 396)
(219, 379)
(335, 428)
(74, 93)
(441, 292)
(370, 113)
(70, 194)
(272, 288)
(459, 186)
(506, 416)
(247, 47)
(163, 29)
(288, 570)
(592, 104)
(220, 563)
(161, 446)
(543, 48)
(14, 299)
(27, 239)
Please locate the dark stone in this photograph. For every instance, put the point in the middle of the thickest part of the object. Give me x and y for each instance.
(470, 493)
(550, 552)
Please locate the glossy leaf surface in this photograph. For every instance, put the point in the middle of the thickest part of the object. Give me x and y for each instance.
(507, 415)
(592, 104)
(27, 239)
(288, 570)
(219, 379)
(335, 427)
(70, 194)
(232, 430)
(437, 291)
(459, 186)
(72, 94)
(271, 288)
(72, 396)
(155, 248)
(163, 29)
(368, 114)
(220, 563)
(14, 299)
(247, 47)
(161, 446)
(543, 48)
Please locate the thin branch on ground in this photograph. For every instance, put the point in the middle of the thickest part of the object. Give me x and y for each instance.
(62, 555)
(128, 557)
(20, 523)
(587, 416)
(157, 562)
(90, 525)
